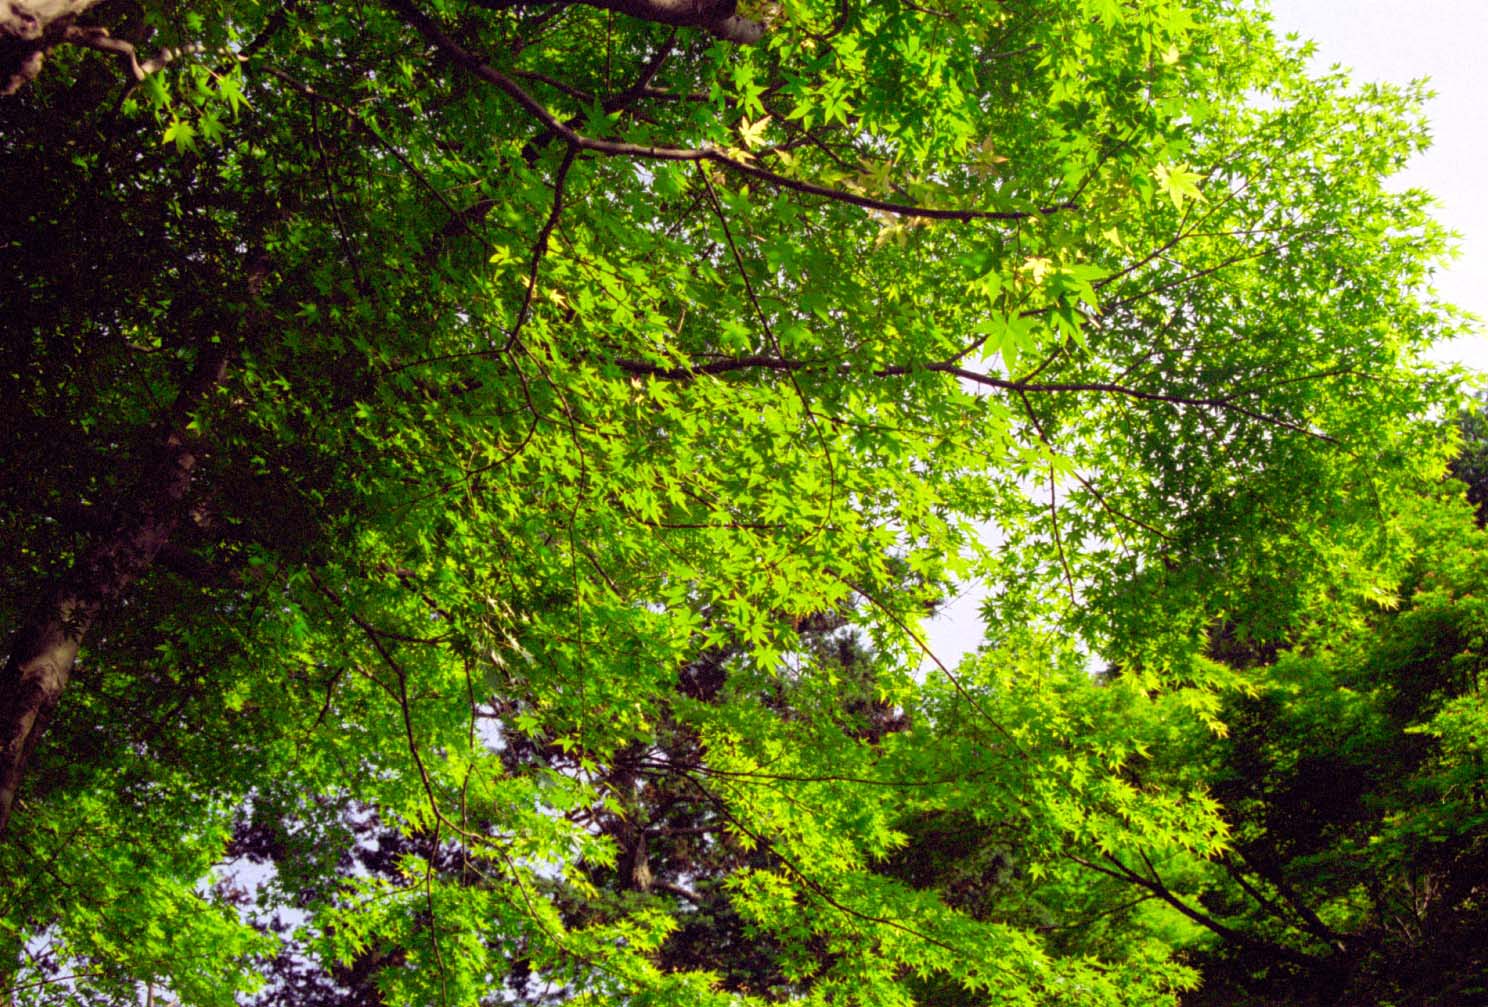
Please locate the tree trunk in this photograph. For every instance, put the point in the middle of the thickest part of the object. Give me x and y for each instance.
(44, 650)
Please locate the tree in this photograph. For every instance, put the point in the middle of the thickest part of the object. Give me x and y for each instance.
(391, 388)
(671, 843)
(1351, 777)
(1470, 465)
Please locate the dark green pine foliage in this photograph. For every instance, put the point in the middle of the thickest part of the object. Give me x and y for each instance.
(1354, 780)
(1471, 464)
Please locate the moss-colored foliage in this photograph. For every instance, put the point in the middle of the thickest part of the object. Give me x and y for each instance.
(497, 460)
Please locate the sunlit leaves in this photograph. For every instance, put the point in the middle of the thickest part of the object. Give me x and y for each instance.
(1178, 183)
(528, 430)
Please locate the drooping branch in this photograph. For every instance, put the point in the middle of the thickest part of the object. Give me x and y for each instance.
(461, 56)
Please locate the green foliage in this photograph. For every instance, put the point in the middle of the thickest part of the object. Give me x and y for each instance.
(602, 408)
(1352, 780)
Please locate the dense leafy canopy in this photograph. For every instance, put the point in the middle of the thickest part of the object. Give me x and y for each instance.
(1354, 780)
(489, 464)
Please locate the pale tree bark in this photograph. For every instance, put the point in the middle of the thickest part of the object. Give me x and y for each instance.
(44, 651)
(28, 29)
(717, 17)
(30, 19)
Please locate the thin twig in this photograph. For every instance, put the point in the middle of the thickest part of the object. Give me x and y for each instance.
(1038, 427)
(779, 350)
(919, 641)
(540, 246)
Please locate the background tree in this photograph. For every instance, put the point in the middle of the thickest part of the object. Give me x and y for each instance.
(1354, 787)
(1346, 761)
(1471, 462)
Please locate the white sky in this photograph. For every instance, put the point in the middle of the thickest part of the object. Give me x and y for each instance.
(1396, 41)
(1446, 41)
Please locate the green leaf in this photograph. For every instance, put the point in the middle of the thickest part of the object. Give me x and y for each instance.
(182, 134)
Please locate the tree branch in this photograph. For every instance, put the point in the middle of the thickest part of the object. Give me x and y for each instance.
(677, 890)
(1021, 385)
(426, 27)
(716, 17)
(1155, 885)
(1310, 919)
(540, 246)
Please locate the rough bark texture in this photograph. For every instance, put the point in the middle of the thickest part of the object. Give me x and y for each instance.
(44, 650)
(40, 663)
(29, 29)
(717, 17)
(29, 19)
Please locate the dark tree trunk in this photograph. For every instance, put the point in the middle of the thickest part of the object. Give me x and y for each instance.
(44, 650)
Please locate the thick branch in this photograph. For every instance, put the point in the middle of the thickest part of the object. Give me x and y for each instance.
(717, 17)
(31, 29)
(100, 40)
(28, 30)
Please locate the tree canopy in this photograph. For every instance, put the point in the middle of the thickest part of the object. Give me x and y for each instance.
(490, 464)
